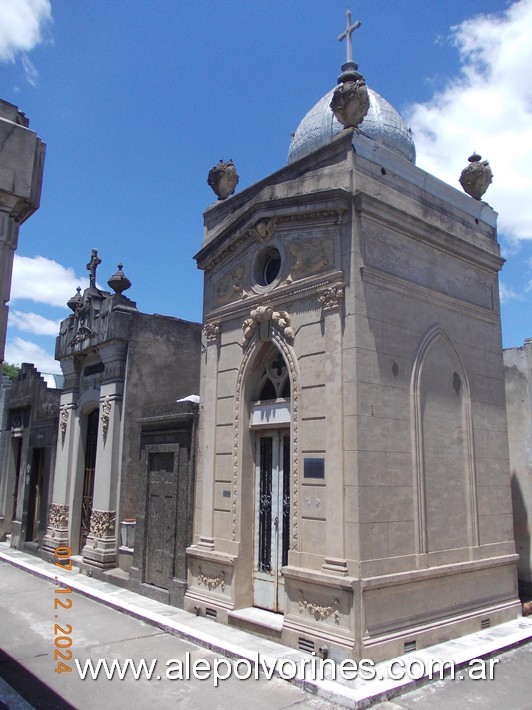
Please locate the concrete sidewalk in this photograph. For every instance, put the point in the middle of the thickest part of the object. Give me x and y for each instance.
(237, 644)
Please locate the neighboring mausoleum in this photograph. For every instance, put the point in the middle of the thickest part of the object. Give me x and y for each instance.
(118, 363)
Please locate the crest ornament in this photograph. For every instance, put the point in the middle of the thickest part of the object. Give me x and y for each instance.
(223, 179)
(476, 177)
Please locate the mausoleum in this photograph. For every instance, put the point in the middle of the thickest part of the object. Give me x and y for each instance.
(353, 490)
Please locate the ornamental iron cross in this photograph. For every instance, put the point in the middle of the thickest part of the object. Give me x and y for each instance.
(349, 29)
(92, 266)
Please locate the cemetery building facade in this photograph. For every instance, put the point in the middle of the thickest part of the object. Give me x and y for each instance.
(118, 365)
(353, 486)
(518, 379)
(21, 169)
(29, 438)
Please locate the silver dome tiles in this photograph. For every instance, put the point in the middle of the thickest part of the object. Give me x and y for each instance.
(382, 123)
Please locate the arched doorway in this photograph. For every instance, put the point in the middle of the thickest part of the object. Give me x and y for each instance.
(270, 425)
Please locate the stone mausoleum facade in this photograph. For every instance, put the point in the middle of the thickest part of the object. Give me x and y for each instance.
(353, 487)
(124, 443)
(518, 378)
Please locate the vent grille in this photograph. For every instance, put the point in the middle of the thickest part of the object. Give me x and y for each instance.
(409, 646)
(211, 613)
(306, 645)
(485, 623)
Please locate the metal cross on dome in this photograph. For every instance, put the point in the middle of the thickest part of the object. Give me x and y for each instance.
(349, 29)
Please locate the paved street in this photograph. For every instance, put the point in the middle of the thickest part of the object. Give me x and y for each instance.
(27, 657)
(31, 606)
(511, 688)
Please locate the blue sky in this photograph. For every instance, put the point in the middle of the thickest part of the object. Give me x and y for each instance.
(137, 100)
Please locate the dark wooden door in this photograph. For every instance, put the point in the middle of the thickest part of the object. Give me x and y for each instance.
(161, 518)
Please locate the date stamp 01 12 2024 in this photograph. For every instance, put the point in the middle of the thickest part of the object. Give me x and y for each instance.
(62, 632)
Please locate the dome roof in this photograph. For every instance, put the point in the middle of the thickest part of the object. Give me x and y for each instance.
(382, 123)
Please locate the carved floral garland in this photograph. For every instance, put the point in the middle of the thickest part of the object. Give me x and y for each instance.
(211, 582)
(319, 611)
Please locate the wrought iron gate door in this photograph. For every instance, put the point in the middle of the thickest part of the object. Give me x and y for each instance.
(272, 518)
(88, 478)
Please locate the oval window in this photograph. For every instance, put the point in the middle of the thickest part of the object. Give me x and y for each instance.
(268, 267)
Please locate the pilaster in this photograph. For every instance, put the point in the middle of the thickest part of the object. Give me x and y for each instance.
(331, 300)
(58, 532)
(101, 546)
(211, 332)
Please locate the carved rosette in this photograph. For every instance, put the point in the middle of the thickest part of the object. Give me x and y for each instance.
(331, 297)
(476, 177)
(106, 414)
(319, 611)
(103, 523)
(58, 519)
(210, 581)
(63, 422)
(350, 103)
(211, 331)
(263, 318)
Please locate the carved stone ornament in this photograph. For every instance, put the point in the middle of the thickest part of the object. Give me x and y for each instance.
(476, 177)
(319, 611)
(84, 333)
(211, 330)
(263, 229)
(231, 287)
(63, 422)
(309, 256)
(350, 103)
(211, 582)
(331, 297)
(263, 317)
(58, 519)
(119, 282)
(106, 413)
(75, 301)
(223, 179)
(103, 524)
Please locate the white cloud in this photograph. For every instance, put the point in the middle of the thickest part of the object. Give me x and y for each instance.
(21, 23)
(19, 351)
(508, 294)
(44, 281)
(33, 323)
(487, 109)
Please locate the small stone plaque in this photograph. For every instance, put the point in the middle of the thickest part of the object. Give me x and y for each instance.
(226, 494)
(314, 468)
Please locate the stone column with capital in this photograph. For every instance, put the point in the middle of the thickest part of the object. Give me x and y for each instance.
(100, 550)
(58, 531)
(21, 169)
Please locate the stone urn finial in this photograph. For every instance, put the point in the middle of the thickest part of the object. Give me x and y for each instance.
(223, 179)
(75, 301)
(476, 177)
(119, 282)
(350, 101)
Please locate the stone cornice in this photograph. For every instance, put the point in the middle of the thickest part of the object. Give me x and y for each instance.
(280, 295)
(479, 250)
(324, 207)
